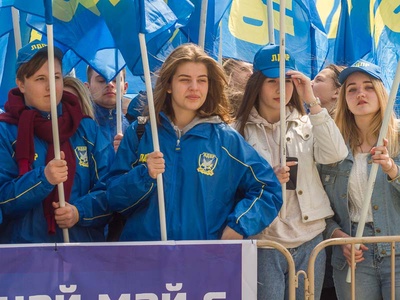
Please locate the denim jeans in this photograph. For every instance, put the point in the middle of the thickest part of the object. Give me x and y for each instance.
(272, 277)
(372, 276)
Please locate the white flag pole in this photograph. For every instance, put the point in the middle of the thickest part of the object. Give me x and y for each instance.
(203, 21)
(119, 103)
(16, 29)
(374, 168)
(282, 91)
(53, 104)
(153, 123)
(270, 19)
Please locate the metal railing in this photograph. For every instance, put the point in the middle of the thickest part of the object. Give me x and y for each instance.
(309, 276)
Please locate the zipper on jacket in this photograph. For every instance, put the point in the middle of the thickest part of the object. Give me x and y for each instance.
(179, 135)
(110, 114)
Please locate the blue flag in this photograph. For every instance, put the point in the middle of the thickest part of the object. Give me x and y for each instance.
(215, 11)
(348, 29)
(82, 31)
(305, 35)
(7, 49)
(152, 17)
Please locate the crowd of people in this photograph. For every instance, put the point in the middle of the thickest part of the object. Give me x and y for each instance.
(220, 159)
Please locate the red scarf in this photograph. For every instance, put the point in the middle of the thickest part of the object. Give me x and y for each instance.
(31, 123)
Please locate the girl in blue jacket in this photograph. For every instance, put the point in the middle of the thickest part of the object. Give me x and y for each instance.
(216, 186)
(29, 173)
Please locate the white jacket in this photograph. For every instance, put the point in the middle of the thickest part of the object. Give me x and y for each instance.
(312, 139)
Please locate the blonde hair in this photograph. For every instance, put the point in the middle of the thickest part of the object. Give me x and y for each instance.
(216, 103)
(83, 94)
(346, 122)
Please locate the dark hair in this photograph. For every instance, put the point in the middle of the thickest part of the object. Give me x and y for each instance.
(29, 68)
(251, 98)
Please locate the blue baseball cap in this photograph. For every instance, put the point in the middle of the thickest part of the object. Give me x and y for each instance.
(27, 52)
(361, 66)
(267, 59)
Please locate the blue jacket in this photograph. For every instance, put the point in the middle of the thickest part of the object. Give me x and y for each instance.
(107, 120)
(385, 203)
(21, 197)
(213, 178)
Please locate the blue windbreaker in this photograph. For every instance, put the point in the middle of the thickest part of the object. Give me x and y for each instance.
(107, 120)
(213, 178)
(21, 197)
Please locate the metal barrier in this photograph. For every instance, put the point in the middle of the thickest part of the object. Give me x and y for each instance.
(353, 241)
(293, 282)
(310, 274)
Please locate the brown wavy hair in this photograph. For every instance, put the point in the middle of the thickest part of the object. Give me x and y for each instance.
(216, 103)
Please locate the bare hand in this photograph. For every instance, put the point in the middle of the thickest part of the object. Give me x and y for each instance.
(56, 170)
(117, 141)
(155, 164)
(230, 234)
(380, 155)
(283, 172)
(359, 254)
(67, 216)
(302, 84)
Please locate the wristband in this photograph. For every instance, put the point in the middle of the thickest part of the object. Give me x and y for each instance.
(314, 103)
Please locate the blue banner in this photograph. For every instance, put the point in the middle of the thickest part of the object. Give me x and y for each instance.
(151, 17)
(305, 35)
(181, 270)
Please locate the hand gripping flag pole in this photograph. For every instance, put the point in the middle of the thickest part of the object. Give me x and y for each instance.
(54, 118)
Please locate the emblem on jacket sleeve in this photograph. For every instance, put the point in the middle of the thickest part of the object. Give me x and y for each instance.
(207, 163)
(82, 155)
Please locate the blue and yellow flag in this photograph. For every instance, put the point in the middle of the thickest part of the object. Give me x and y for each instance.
(215, 11)
(79, 26)
(245, 30)
(152, 17)
(347, 26)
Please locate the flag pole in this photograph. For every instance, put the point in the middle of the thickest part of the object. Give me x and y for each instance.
(203, 20)
(16, 29)
(153, 123)
(270, 19)
(282, 91)
(119, 102)
(375, 166)
(54, 118)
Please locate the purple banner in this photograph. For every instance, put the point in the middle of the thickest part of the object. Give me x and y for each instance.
(127, 271)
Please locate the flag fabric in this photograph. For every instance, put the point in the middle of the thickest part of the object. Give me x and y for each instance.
(215, 11)
(7, 48)
(152, 17)
(76, 26)
(348, 29)
(305, 35)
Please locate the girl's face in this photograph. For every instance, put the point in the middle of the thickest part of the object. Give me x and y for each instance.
(324, 87)
(36, 89)
(270, 94)
(361, 97)
(189, 88)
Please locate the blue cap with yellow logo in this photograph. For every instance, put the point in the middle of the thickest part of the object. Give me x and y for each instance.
(267, 59)
(27, 52)
(361, 66)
